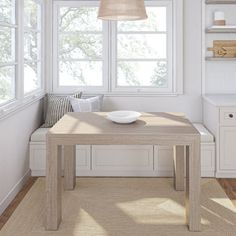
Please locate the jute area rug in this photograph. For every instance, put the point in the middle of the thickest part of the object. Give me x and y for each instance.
(124, 206)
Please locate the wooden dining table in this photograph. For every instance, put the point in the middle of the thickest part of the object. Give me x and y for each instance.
(93, 128)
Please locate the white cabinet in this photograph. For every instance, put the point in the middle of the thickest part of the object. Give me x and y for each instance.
(228, 148)
(220, 119)
(163, 161)
(122, 160)
(228, 116)
(38, 159)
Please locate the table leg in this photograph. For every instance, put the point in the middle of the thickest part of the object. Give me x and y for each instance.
(69, 167)
(193, 179)
(53, 186)
(179, 167)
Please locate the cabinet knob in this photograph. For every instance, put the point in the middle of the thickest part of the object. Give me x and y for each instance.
(231, 116)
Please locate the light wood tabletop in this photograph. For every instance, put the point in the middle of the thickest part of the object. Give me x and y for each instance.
(95, 126)
(167, 129)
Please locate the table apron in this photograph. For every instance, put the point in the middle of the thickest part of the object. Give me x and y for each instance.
(116, 140)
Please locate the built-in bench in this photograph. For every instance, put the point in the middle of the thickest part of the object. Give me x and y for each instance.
(148, 160)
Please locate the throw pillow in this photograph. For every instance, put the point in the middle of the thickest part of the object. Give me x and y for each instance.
(57, 106)
(93, 104)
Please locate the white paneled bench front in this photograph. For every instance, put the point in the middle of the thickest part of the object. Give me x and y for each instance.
(122, 160)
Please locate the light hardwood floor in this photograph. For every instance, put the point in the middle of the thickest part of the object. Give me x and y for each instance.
(19, 197)
(229, 186)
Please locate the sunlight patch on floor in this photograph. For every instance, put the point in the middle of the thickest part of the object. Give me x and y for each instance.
(218, 216)
(224, 202)
(154, 211)
(84, 218)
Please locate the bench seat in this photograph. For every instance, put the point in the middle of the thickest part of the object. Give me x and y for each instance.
(206, 136)
(92, 160)
(39, 135)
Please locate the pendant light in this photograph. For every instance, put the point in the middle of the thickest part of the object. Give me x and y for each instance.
(122, 10)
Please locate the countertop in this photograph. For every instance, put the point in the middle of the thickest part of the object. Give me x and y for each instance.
(221, 100)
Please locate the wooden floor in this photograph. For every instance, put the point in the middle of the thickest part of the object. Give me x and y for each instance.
(229, 186)
(11, 208)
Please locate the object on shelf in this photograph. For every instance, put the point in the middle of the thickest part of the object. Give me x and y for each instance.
(224, 48)
(219, 18)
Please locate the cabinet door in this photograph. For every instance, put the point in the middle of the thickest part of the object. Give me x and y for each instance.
(120, 158)
(228, 148)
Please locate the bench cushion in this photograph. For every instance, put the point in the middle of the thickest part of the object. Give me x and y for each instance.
(39, 135)
(206, 136)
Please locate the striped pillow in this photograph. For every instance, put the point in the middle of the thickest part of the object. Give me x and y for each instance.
(57, 106)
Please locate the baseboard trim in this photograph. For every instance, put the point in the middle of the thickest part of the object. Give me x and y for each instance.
(226, 174)
(38, 173)
(208, 173)
(14, 191)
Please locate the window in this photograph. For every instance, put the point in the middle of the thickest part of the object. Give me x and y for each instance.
(20, 52)
(143, 52)
(7, 51)
(32, 45)
(80, 53)
(115, 57)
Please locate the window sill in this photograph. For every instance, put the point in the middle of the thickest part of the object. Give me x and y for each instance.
(16, 106)
(129, 94)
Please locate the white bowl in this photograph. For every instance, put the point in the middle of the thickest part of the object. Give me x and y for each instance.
(123, 117)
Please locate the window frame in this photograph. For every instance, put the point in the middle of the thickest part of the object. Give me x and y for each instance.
(110, 88)
(14, 63)
(169, 34)
(68, 89)
(40, 39)
(21, 99)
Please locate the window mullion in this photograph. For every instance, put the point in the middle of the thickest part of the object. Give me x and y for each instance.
(108, 59)
(144, 59)
(55, 47)
(33, 66)
(3, 24)
(19, 77)
(11, 63)
(106, 55)
(28, 29)
(142, 32)
(113, 59)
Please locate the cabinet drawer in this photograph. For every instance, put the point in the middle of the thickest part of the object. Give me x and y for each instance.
(228, 116)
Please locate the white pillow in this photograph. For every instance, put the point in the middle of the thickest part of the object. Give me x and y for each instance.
(92, 104)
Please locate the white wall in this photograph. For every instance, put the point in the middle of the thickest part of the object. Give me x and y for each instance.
(15, 132)
(219, 75)
(190, 102)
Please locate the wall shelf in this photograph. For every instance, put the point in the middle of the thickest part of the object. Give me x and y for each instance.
(217, 72)
(221, 30)
(220, 2)
(220, 59)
